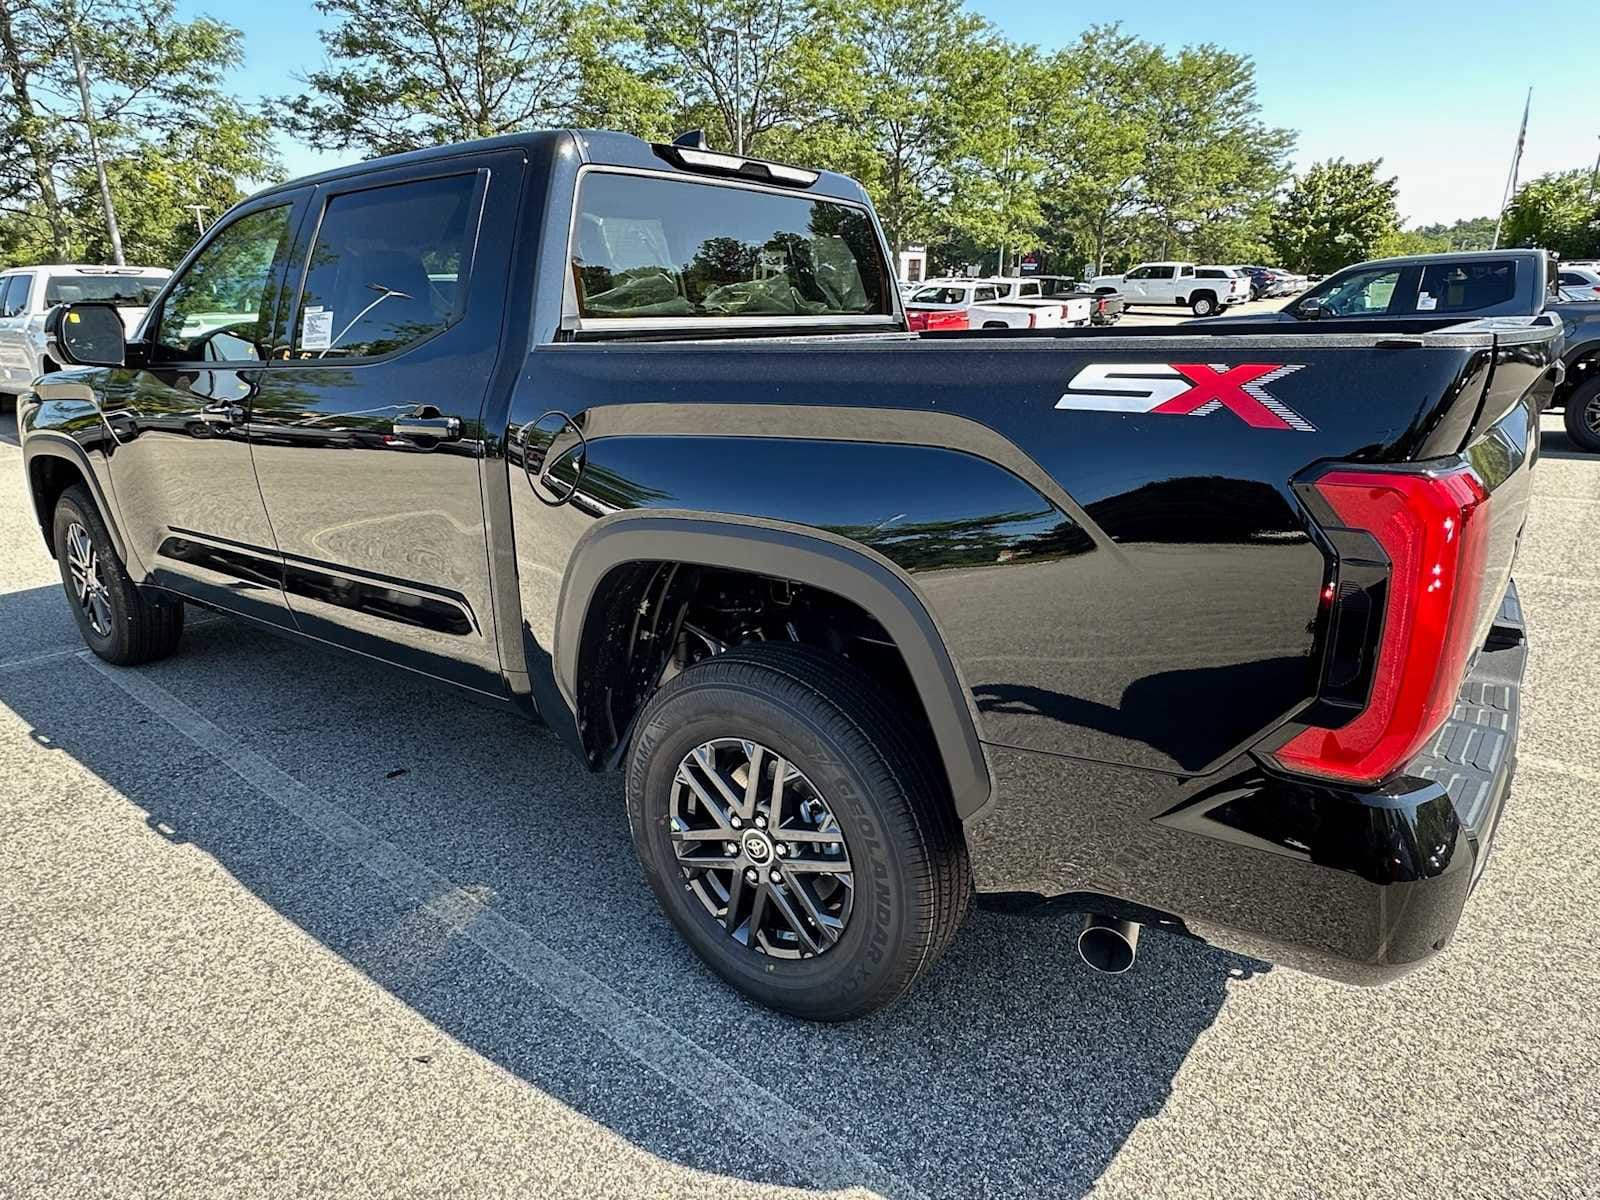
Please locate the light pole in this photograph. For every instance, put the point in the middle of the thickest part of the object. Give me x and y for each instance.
(1594, 176)
(738, 83)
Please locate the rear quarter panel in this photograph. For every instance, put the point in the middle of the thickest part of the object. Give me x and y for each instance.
(1134, 588)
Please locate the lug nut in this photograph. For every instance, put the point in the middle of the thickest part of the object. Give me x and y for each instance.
(752, 876)
(783, 849)
(761, 822)
(735, 822)
(776, 877)
(731, 847)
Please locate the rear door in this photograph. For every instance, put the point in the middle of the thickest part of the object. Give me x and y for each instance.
(368, 438)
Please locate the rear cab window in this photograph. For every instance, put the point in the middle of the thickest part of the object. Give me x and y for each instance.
(652, 249)
(125, 291)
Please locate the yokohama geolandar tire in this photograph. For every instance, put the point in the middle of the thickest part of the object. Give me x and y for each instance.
(121, 622)
(826, 897)
(1583, 416)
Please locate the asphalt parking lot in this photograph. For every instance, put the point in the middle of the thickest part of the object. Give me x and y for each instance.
(275, 922)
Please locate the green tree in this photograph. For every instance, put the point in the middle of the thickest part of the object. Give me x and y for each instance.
(1337, 213)
(923, 106)
(404, 74)
(1156, 153)
(1559, 211)
(783, 75)
(155, 96)
(1475, 233)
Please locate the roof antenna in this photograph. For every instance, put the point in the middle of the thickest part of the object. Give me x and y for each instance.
(694, 139)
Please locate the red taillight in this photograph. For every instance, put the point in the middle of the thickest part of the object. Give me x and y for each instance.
(1434, 529)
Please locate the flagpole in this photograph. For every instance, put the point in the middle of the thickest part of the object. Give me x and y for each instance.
(1511, 180)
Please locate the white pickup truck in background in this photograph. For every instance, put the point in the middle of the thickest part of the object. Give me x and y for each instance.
(1205, 290)
(994, 303)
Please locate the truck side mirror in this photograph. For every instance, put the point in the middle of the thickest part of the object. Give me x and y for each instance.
(86, 335)
(1311, 310)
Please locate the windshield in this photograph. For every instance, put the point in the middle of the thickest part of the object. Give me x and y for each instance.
(125, 291)
(647, 247)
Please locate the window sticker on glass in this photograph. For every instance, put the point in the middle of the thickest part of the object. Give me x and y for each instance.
(316, 328)
(1425, 302)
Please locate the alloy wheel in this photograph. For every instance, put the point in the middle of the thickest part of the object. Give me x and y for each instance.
(83, 563)
(760, 848)
(1591, 415)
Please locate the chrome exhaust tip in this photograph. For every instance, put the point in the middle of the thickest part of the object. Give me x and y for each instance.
(1108, 945)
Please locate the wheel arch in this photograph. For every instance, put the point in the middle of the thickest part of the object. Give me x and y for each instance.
(1582, 363)
(808, 557)
(54, 462)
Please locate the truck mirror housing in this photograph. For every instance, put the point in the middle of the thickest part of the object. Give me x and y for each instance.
(86, 335)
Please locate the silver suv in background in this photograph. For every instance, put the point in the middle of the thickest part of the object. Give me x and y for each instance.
(28, 293)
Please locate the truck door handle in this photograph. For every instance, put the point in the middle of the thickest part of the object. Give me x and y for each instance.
(440, 429)
(222, 414)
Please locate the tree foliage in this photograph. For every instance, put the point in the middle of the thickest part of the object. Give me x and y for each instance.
(1335, 214)
(1559, 211)
(403, 74)
(169, 133)
(1154, 153)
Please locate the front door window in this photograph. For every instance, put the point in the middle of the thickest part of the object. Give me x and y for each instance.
(221, 309)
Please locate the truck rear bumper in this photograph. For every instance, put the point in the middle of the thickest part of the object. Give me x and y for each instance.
(1356, 885)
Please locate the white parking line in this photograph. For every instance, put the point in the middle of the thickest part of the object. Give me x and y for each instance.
(682, 1062)
(20, 664)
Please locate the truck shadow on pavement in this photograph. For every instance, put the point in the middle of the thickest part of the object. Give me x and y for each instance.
(1011, 1070)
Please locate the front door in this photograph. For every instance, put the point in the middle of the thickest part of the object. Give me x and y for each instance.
(368, 437)
(181, 465)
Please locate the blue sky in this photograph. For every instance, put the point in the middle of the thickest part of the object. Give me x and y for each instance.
(1434, 89)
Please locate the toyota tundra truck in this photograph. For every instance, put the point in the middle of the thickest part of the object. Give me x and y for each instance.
(1212, 632)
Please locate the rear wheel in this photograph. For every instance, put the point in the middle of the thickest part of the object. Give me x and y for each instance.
(1203, 305)
(121, 622)
(789, 828)
(1583, 416)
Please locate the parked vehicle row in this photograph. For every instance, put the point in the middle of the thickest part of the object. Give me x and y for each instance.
(994, 303)
(1186, 627)
(1268, 283)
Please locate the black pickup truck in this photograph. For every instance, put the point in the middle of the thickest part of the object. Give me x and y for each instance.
(1209, 631)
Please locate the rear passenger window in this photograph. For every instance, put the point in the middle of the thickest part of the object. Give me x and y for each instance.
(387, 269)
(1466, 287)
(648, 248)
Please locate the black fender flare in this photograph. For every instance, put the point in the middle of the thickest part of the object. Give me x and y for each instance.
(805, 556)
(46, 443)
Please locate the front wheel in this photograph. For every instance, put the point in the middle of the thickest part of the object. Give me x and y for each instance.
(790, 830)
(1583, 416)
(120, 621)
